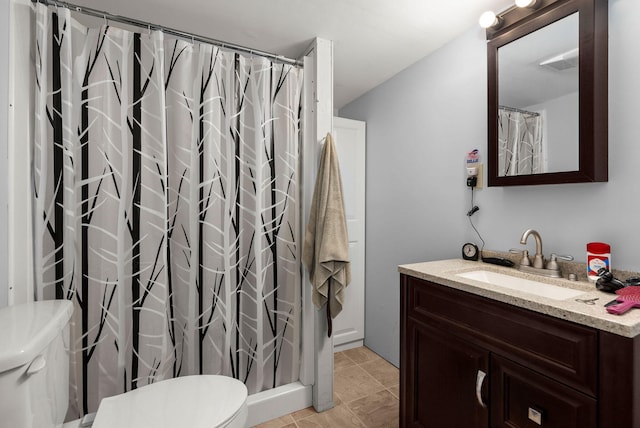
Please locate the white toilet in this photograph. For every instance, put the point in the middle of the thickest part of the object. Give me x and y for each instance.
(34, 376)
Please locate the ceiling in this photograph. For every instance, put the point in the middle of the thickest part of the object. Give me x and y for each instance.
(525, 80)
(373, 39)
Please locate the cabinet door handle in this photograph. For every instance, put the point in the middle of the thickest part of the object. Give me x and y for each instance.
(479, 381)
(535, 415)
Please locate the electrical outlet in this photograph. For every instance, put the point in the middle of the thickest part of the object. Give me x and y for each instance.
(479, 182)
(475, 180)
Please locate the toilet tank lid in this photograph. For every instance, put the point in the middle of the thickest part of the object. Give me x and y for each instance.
(27, 329)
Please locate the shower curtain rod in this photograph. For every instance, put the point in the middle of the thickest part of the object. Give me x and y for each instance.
(517, 110)
(181, 34)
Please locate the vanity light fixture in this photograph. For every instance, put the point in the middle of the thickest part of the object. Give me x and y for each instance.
(489, 19)
(526, 3)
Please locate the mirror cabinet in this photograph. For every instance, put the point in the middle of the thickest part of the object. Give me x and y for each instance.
(547, 94)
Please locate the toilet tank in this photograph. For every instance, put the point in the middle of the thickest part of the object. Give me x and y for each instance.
(34, 364)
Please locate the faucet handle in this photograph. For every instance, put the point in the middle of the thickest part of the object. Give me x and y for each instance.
(553, 263)
(558, 256)
(525, 261)
(538, 261)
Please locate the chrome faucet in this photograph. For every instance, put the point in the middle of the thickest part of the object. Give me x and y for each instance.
(538, 260)
(539, 267)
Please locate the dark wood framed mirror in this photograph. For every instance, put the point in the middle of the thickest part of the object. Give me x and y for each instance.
(548, 94)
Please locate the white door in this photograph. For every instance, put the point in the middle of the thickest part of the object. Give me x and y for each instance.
(349, 137)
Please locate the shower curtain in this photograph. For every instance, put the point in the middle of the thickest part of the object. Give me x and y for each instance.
(165, 177)
(519, 143)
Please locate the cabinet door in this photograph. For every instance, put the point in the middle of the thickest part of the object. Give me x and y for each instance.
(442, 386)
(522, 398)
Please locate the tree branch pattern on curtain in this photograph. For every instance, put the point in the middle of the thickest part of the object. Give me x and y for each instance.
(166, 207)
(519, 143)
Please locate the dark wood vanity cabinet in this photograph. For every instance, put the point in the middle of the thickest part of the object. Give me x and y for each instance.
(453, 369)
(468, 361)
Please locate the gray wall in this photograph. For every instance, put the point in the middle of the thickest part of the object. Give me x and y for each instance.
(560, 121)
(420, 125)
(4, 106)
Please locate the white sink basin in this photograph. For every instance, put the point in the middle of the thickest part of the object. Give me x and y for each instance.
(525, 285)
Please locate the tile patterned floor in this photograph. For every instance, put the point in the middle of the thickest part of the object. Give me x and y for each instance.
(365, 395)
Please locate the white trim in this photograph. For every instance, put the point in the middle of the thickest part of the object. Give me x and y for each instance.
(349, 345)
(319, 106)
(5, 12)
(277, 402)
(20, 130)
(308, 162)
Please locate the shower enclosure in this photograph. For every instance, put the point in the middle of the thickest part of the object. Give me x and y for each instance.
(520, 145)
(167, 205)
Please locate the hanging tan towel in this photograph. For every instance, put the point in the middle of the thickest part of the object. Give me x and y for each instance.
(325, 251)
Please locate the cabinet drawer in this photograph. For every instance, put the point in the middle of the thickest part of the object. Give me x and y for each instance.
(523, 398)
(559, 349)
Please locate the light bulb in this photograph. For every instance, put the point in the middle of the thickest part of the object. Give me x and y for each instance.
(488, 19)
(525, 3)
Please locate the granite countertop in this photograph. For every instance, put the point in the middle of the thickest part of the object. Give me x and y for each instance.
(445, 272)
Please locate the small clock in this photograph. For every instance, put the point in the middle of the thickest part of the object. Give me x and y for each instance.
(470, 251)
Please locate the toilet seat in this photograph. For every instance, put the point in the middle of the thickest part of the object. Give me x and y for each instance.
(204, 401)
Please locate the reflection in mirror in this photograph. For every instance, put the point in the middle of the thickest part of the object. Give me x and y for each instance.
(538, 101)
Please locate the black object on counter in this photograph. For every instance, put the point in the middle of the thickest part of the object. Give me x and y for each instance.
(498, 261)
(607, 283)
